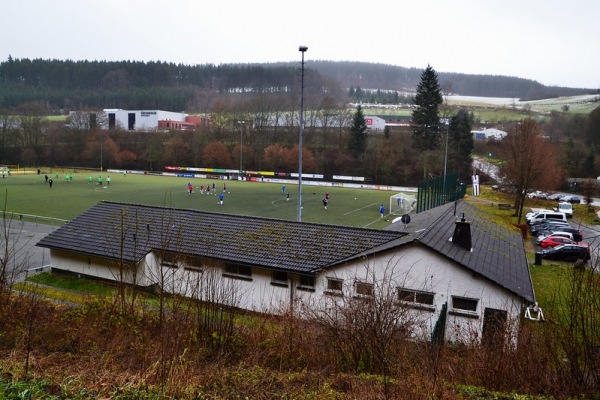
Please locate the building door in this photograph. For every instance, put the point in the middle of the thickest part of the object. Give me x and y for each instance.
(92, 121)
(494, 326)
(131, 121)
(112, 121)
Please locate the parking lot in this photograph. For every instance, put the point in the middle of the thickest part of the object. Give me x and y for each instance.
(591, 236)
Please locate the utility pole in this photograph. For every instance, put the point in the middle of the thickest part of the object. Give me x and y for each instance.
(302, 49)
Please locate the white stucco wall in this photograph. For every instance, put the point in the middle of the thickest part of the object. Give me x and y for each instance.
(210, 282)
(97, 267)
(418, 268)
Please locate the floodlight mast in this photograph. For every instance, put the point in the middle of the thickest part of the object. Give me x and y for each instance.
(447, 122)
(242, 126)
(302, 49)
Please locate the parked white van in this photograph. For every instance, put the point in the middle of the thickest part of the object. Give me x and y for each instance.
(535, 211)
(553, 215)
(566, 208)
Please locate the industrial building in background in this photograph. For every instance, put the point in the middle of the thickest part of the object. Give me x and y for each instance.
(145, 120)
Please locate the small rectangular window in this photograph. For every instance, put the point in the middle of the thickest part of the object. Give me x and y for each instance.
(334, 284)
(415, 296)
(192, 263)
(464, 304)
(424, 298)
(169, 260)
(237, 269)
(280, 277)
(364, 289)
(307, 281)
(231, 269)
(406, 295)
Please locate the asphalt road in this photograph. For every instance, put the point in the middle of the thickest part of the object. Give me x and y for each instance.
(23, 254)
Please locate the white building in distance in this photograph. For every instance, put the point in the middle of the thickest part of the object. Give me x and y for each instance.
(141, 120)
(491, 133)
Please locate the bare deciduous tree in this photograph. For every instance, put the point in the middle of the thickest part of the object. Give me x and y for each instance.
(216, 153)
(530, 162)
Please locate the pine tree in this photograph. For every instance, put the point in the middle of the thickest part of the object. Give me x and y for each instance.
(461, 142)
(352, 93)
(589, 163)
(425, 118)
(358, 134)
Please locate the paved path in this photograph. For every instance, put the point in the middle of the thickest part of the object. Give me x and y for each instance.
(22, 237)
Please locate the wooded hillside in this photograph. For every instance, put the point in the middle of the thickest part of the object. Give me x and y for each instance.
(389, 77)
(67, 84)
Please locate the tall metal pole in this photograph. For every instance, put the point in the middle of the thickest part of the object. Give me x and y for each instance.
(241, 125)
(446, 151)
(446, 156)
(302, 49)
(101, 151)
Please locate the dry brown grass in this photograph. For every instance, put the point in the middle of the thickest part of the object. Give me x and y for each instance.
(96, 349)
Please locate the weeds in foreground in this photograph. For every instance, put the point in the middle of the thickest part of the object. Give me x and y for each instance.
(93, 351)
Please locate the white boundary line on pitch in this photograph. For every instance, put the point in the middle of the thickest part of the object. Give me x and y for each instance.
(358, 209)
(378, 219)
(278, 201)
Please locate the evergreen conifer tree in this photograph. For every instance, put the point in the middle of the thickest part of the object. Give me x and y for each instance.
(461, 142)
(358, 134)
(425, 118)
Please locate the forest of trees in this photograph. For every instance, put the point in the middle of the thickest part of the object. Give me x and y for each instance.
(393, 78)
(139, 85)
(67, 84)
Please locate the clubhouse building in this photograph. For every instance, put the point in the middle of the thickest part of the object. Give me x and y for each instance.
(459, 275)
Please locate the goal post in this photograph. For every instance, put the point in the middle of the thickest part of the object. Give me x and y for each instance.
(402, 203)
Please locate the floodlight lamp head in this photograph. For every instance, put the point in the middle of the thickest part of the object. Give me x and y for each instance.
(303, 48)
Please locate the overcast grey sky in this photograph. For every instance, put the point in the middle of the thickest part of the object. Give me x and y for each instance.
(553, 42)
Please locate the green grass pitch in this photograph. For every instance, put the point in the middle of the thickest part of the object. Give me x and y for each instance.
(29, 194)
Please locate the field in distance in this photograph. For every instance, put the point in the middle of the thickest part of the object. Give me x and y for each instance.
(28, 194)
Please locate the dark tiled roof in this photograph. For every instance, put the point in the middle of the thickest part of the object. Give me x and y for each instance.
(497, 252)
(130, 231)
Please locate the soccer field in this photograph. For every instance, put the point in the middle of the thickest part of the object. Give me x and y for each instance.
(29, 194)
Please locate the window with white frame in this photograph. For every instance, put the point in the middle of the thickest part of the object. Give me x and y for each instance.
(364, 288)
(464, 305)
(416, 297)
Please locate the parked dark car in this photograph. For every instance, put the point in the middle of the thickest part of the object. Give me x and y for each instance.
(577, 234)
(549, 221)
(537, 227)
(567, 252)
(572, 199)
(533, 222)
